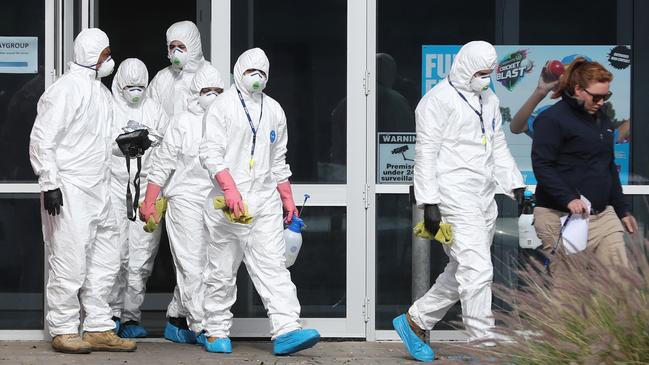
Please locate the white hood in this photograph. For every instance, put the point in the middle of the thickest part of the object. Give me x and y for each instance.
(473, 57)
(254, 58)
(187, 33)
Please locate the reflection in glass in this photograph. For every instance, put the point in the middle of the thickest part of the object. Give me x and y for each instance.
(393, 111)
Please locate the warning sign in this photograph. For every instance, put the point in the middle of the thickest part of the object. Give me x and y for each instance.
(396, 158)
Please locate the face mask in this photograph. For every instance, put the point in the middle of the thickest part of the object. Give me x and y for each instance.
(178, 57)
(106, 68)
(254, 82)
(205, 100)
(480, 83)
(133, 95)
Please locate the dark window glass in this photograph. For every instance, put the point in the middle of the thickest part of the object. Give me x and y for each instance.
(306, 44)
(578, 22)
(19, 93)
(21, 262)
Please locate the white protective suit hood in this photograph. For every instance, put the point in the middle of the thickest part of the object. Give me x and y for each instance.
(88, 46)
(254, 58)
(187, 33)
(472, 57)
(207, 76)
(131, 72)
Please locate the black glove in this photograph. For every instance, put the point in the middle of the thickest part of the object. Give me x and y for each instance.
(432, 218)
(53, 201)
(133, 144)
(519, 197)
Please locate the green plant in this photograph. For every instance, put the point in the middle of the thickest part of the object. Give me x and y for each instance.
(583, 313)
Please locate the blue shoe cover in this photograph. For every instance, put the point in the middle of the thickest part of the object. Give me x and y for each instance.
(201, 338)
(417, 348)
(220, 345)
(132, 331)
(294, 341)
(179, 335)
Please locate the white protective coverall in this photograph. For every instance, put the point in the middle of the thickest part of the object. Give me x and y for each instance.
(456, 171)
(170, 86)
(227, 145)
(186, 184)
(70, 148)
(138, 248)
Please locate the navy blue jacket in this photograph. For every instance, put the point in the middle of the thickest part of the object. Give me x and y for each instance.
(572, 155)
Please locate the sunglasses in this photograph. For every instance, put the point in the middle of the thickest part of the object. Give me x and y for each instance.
(598, 97)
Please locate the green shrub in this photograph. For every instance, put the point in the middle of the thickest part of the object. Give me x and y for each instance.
(583, 313)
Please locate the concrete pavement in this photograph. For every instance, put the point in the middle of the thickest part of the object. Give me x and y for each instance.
(161, 352)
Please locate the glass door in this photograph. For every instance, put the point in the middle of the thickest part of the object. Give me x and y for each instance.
(316, 68)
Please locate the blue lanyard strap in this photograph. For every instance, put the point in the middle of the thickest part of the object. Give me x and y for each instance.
(478, 113)
(252, 126)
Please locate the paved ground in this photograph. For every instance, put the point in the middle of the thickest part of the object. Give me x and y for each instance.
(160, 352)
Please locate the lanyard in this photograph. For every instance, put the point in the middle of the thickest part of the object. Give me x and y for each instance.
(478, 113)
(252, 126)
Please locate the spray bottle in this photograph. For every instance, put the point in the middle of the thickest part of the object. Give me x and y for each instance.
(527, 237)
(293, 236)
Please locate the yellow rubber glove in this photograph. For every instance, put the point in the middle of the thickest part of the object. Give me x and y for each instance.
(161, 208)
(245, 218)
(444, 234)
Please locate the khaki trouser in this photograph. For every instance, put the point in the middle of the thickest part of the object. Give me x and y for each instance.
(605, 234)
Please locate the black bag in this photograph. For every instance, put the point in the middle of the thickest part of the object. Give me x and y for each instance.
(133, 145)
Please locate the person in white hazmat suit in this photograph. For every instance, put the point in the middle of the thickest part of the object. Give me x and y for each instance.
(171, 89)
(186, 184)
(138, 248)
(460, 156)
(170, 86)
(70, 150)
(244, 150)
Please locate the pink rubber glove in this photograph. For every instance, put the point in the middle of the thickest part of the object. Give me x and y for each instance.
(286, 195)
(147, 209)
(230, 192)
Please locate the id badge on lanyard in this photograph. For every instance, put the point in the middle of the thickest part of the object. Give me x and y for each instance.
(251, 163)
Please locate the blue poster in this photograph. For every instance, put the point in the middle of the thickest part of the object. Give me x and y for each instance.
(517, 75)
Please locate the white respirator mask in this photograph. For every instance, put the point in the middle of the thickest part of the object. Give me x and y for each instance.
(106, 68)
(480, 83)
(178, 57)
(133, 94)
(254, 82)
(206, 100)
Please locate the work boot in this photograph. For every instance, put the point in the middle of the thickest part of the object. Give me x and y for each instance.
(421, 333)
(108, 341)
(71, 344)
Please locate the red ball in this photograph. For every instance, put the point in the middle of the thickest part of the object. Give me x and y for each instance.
(556, 68)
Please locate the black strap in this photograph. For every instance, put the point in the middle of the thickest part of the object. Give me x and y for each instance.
(132, 205)
(555, 246)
